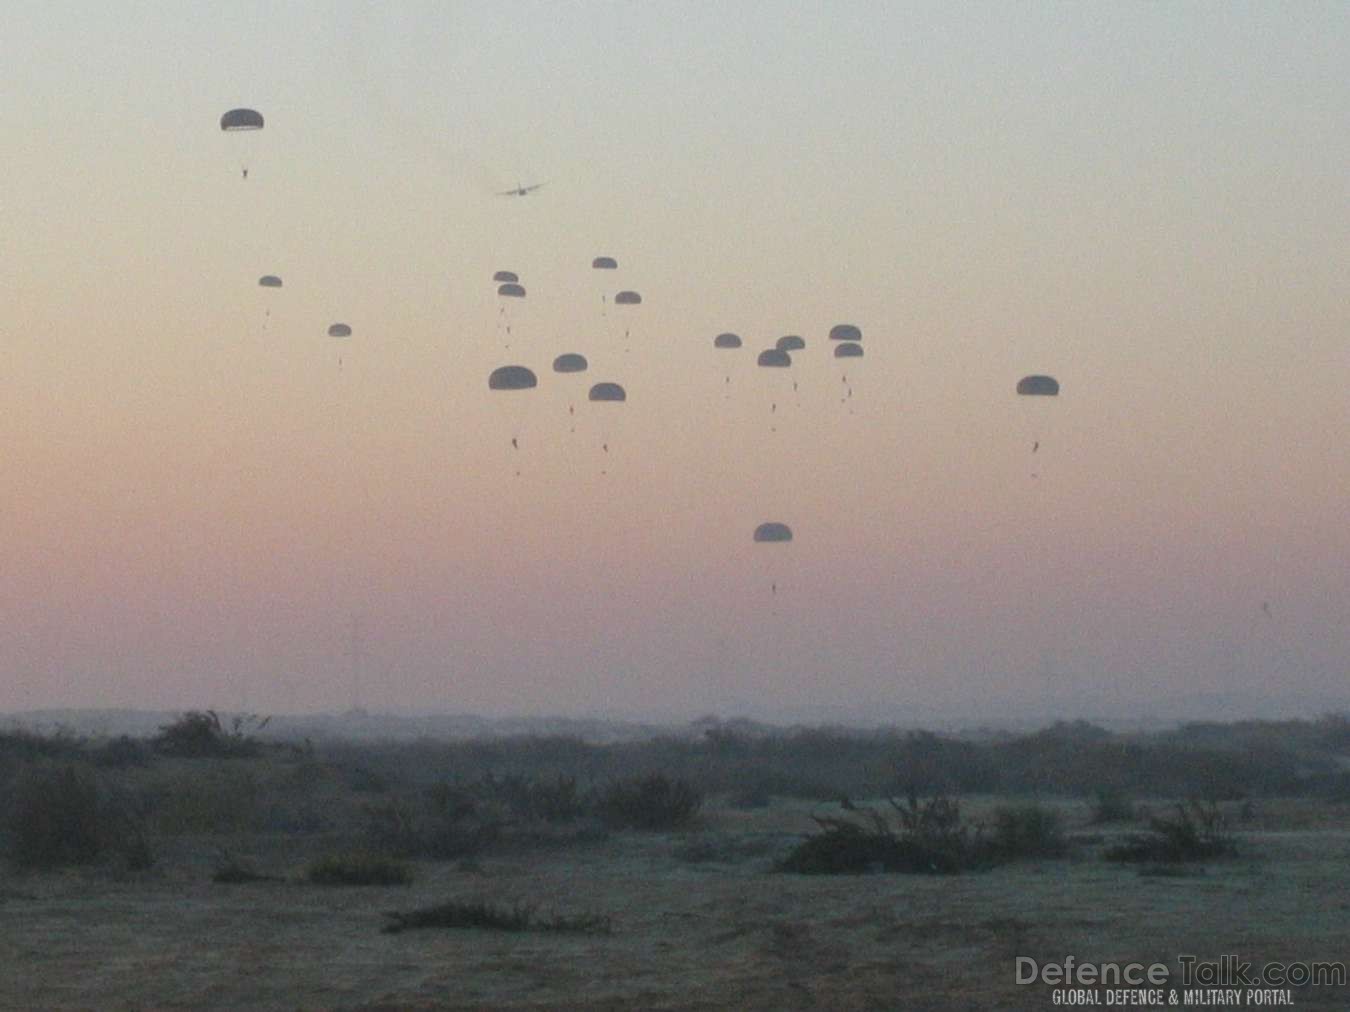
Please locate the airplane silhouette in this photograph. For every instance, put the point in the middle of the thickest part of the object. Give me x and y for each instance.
(519, 191)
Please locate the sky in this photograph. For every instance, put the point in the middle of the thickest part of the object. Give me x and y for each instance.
(209, 501)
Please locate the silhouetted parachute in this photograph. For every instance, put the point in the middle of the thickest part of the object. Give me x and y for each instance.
(848, 350)
(845, 332)
(727, 341)
(512, 377)
(1038, 386)
(242, 119)
(571, 362)
(511, 276)
(774, 358)
(269, 281)
(790, 342)
(608, 392)
(511, 290)
(605, 264)
(773, 532)
(627, 299)
(339, 330)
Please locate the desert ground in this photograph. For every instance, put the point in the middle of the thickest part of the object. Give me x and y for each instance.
(694, 917)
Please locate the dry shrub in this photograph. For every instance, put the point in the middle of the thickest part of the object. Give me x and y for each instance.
(61, 814)
(495, 917)
(1197, 832)
(358, 867)
(654, 802)
(211, 800)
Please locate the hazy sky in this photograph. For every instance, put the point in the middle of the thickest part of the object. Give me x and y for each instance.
(203, 490)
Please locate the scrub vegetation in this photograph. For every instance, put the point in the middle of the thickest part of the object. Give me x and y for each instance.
(721, 859)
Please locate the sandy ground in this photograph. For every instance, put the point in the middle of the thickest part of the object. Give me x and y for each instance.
(686, 935)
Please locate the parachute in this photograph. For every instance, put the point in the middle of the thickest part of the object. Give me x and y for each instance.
(727, 341)
(790, 342)
(570, 362)
(237, 120)
(339, 330)
(1038, 386)
(848, 350)
(845, 332)
(772, 532)
(511, 276)
(269, 281)
(775, 358)
(608, 392)
(511, 290)
(605, 264)
(628, 299)
(512, 377)
(241, 119)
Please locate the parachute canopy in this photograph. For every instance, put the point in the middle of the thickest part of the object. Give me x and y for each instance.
(269, 281)
(241, 119)
(1038, 386)
(628, 299)
(511, 276)
(845, 332)
(571, 362)
(339, 330)
(790, 342)
(848, 350)
(727, 341)
(608, 392)
(512, 377)
(772, 532)
(605, 264)
(775, 358)
(511, 290)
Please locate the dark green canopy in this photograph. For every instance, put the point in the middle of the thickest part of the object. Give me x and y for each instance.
(512, 377)
(1038, 386)
(241, 119)
(727, 341)
(845, 332)
(571, 362)
(775, 358)
(608, 392)
(773, 532)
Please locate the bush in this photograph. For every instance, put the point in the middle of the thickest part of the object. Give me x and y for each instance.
(21, 745)
(60, 815)
(652, 803)
(928, 837)
(198, 734)
(480, 914)
(553, 799)
(214, 800)
(358, 868)
(1198, 832)
(119, 753)
(448, 824)
(1027, 831)
(1112, 806)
